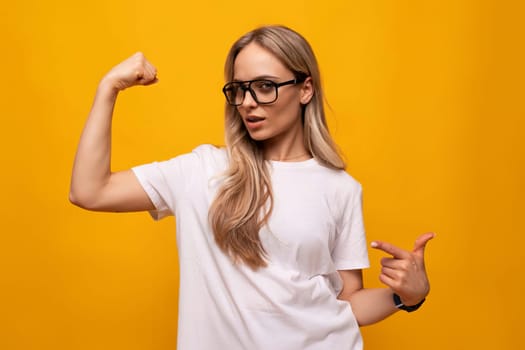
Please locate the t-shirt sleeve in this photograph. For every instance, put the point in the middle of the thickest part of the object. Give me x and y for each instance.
(154, 180)
(350, 248)
(168, 182)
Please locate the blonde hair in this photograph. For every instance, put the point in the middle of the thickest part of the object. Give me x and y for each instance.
(244, 201)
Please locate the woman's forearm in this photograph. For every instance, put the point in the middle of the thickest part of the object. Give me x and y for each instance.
(92, 169)
(371, 305)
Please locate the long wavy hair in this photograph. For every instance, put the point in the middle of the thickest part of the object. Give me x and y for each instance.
(244, 201)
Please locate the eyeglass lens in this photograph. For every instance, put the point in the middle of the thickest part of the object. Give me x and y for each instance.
(262, 91)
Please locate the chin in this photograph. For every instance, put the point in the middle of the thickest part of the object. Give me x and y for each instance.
(258, 136)
(258, 139)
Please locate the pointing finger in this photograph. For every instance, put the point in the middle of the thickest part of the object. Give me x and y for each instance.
(391, 249)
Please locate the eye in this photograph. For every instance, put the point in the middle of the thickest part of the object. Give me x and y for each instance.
(263, 85)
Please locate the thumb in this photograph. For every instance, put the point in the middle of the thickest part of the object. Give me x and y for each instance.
(421, 242)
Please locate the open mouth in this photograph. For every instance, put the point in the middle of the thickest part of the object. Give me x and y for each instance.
(254, 119)
(254, 123)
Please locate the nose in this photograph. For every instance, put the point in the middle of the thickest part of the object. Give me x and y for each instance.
(249, 99)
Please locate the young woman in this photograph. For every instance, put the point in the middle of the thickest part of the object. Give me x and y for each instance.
(270, 232)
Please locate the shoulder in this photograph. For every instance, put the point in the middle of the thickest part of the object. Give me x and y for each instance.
(339, 179)
(205, 157)
(208, 149)
(343, 189)
(208, 158)
(207, 152)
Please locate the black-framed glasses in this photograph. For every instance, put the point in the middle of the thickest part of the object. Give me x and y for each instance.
(263, 91)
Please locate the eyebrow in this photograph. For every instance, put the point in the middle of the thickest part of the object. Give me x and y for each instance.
(259, 77)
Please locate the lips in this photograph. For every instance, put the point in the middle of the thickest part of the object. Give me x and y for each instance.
(253, 122)
(254, 119)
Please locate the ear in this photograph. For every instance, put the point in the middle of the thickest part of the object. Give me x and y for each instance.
(307, 91)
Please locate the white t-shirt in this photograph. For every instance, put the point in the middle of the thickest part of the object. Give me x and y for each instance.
(315, 229)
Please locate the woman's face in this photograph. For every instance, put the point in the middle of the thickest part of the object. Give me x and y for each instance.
(279, 121)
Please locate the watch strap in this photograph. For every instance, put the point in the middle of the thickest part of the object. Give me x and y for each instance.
(399, 304)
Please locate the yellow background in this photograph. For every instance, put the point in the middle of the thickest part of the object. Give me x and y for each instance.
(427, 103)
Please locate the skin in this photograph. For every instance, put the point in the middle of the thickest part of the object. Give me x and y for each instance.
(95, 187)
(281, 131)
(403, 273)
(281, 134)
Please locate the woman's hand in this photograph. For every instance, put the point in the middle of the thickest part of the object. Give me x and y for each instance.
(405, 271)
(136, 70)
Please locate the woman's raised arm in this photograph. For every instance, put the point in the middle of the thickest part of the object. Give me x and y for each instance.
(93, 185)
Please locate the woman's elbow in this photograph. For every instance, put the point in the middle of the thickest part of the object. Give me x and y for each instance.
(82, 200)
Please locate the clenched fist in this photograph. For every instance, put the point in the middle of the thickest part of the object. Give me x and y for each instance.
(136, 70)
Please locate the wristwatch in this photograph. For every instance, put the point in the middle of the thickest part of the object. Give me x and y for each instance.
(399, 304)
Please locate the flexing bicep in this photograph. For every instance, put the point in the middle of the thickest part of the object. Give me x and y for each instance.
(121, 193)
(93, 185)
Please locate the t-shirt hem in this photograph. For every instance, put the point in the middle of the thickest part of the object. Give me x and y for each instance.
(351, 266)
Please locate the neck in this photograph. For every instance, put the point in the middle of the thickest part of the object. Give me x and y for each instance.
(293, 150)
